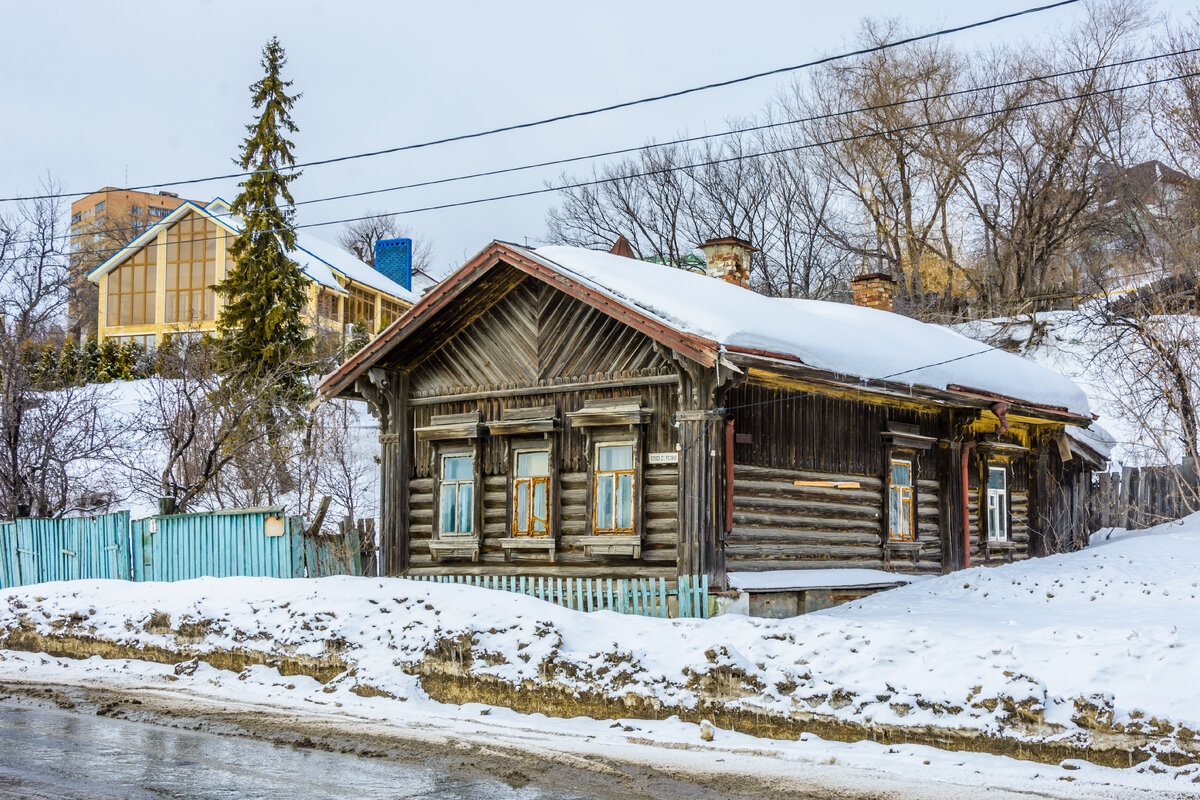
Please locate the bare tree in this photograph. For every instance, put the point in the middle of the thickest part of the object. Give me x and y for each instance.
(190, 430)
(669, 199)
(49, 436)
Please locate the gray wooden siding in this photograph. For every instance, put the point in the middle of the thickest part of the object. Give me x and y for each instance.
(777, 525)
(534, 336)
(659, 494)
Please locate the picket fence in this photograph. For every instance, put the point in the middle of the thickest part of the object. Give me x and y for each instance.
(1140, 497)
(253, 542)
(647, 597)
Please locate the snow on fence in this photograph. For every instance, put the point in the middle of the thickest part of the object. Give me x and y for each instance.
(647, 597)
(1141, 497)
(255, 542)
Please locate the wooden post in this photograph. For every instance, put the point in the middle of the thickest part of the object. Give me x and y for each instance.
(701, 441)
(949, 458)
(386, 392)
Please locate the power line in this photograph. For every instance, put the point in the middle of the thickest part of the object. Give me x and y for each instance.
(712, 162)
(580, 114)
(731, 132)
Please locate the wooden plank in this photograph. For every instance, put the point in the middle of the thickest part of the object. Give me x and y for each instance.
(830, 484)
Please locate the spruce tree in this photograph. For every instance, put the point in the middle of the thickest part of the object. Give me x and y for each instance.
(261, 332)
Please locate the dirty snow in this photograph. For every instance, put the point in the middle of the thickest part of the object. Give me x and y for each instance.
(1114, 628)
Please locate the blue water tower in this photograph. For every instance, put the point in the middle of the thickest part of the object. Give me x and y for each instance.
(393, 257)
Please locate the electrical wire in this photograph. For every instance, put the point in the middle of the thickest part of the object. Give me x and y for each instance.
(722, 134)
(712, 162)
(581, 114)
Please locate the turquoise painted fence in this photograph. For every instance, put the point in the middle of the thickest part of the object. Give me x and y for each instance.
(40, 550)
(255, 542)
(252, 542)
(647, 597)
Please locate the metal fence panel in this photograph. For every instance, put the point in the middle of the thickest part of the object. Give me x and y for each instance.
(217, 544)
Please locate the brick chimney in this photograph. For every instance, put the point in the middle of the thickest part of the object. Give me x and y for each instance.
(622, 247)
(874, 291)
(728, 258)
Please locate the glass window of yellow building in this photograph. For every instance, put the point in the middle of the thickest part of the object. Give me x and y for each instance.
(191, 270)
(131, 288)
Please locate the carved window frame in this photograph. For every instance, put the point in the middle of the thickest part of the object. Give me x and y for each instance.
(602, 437)
(547, 445)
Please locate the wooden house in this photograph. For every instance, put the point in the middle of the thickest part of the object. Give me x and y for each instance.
(565, 412)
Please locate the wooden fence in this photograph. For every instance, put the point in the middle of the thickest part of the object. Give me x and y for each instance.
(647, 597)
(1140, 497)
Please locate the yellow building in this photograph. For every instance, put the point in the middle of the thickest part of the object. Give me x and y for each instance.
(100, 223)
(162, 281)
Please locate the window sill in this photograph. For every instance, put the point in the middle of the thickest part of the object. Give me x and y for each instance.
(903, 545)
(1007, 545)
(625, 544)
(455, 547)
(529, 543)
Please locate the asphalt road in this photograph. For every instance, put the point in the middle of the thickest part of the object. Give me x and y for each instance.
(65, 755)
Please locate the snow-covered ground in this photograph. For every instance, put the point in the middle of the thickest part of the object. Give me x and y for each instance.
(1043, 650)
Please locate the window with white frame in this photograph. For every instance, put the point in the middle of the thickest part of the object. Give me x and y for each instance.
(997, 504)
(901, 526)
(613, 497)
(531, 493)
(457, 500)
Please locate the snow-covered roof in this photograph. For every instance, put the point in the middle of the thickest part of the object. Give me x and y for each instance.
(319, 260)
(849, 340)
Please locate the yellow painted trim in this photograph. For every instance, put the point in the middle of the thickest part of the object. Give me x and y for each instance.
(160, 287)
(102, 315)
(776, 381)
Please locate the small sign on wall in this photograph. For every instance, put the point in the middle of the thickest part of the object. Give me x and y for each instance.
(664, 458)
(274, 526)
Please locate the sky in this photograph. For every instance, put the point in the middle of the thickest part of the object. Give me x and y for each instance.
(136, 93)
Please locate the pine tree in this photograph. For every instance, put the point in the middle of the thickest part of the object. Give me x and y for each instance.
(261, 330)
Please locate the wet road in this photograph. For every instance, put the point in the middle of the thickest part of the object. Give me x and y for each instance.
(64, 755)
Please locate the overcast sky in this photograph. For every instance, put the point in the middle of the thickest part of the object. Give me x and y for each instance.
(91, 90)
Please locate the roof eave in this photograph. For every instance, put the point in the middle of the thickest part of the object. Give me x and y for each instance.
(442, 294)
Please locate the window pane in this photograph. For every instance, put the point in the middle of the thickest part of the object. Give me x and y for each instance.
(997, 478)
(614, 457)
(126, 279)
(604, 503)
(625, 502)
(894, 513)
(535, 463)
(901, 473)
(113, 299)
(540, 507)
(449, 513)
(457, 468)
(126, 308)
(906, 520)
(522, 506)
(465, 493)
(139, 305)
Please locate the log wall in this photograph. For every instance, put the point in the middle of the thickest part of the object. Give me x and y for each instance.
(535, 346)
(778, 525)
